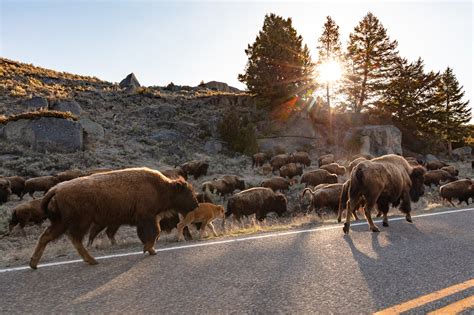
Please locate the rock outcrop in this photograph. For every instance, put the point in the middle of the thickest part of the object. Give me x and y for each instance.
(36, 102)
(67, 106)
(376, 140)
(130, 82)
(462, 153)
(220, 86)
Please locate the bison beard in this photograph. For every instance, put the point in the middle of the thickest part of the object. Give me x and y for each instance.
(138, 196)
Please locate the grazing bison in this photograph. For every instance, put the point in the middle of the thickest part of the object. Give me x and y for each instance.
(43, 183)
(334, 168)
(316, 177)
(435, 177)
(258, 159)
(235, 181)
(326, 159)
(355, 162)
(451, 170)
(204, 214)
(258, 200)
(69, 174)
(291, 170)
(435, 165)
(301, 157)
(5, 190)
(195, 168)
(461, 190)
(277, 183)
(279, 160)
(218, 186)
(136, 196)
(175, 173)
(17, 185)
(325, 197)
(267, 169)
(26, 212)
(383, 181)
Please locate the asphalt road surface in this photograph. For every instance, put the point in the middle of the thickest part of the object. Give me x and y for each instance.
(301, 271)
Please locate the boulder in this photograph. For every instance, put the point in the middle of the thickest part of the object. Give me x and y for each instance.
(130, 82)
(462, 153)
(36, 102)
(220, 86)
(46, 134)
(375, 139)
(67, 106)
(93, 131)
(162, 112)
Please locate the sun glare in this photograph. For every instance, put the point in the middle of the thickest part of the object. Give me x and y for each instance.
(330, 71)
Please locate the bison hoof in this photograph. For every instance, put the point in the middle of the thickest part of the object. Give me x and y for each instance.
(346, 228)
(33, 264)
(374, 229)
(385, 223)
(151, 251)
(92, 262)
(409, 219)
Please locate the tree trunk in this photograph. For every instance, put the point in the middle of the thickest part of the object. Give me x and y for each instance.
(450, 149)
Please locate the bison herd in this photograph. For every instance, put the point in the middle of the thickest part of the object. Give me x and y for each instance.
(87, 202)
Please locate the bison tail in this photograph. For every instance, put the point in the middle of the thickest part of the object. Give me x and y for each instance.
(49, 210)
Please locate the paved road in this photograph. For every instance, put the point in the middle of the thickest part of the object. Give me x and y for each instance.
(319, 272)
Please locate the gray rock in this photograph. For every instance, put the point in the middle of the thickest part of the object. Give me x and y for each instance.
(46, 134)
(93, 131)
(67, 106)
(376, 140)
(431, 158)
(168, 135)
(220, 86)
(162, 112)
(462, 153)
(212, 147)
(130, 82)
(36, 102)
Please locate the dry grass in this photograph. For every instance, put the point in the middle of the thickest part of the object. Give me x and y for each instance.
(37, 114)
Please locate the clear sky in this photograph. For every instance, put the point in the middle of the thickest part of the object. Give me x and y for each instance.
(189, 41)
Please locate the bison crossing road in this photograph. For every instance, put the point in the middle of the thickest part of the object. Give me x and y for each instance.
(418, 267)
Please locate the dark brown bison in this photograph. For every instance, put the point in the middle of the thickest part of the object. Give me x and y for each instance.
(175, 173)
(136, 196)
(195, 168)
(291, 170)
(326, 159)
(451, 170)
(301, 157)
(343, 198)
(354, 163)
(69, 174)
(204, 197)
(258, 200)
(461, 190)
(334, 168)
(435, 177)
(325, 197)
(5, 190)
(435, 165)
(235, 181)
(277, 183)
(17, 185)
(383, 181)
(43, 183)
(279, 160)
(258, 159)
(316, 177)
(366, 156)
(26, 212)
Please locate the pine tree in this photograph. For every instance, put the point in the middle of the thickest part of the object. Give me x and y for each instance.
(371, 56)
(329, 48)
(279, 65)
(453, 114)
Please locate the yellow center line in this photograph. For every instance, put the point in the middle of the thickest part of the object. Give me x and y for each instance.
(425, 299)
(456, 307)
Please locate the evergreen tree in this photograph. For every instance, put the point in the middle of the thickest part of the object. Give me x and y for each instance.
(279, 65)
(329, 48)
(453, 114)
(371, 56)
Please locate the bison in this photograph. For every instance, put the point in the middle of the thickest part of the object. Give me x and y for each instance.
(451, 170)
(175, 173)
(343, 198)
(316, 177)
(235, 181)
(435, 165)
(25, 213)
(204, 214)
(5, 190)
(223, 186)
(355, 162)
(258, 159)
(435, 177)
(17, 185)
(258, 200)
(136, 196)
(277, 183)
(204, 197)
(462, 190)
(69, 174)
(383, 181)
(195, 168)
(301, 157)
(325, 197)
(279, 160)
(43, 183)
(326, 159)
(291, 170)
(334, 168)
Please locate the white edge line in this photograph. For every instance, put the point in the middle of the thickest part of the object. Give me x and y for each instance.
(241, 239)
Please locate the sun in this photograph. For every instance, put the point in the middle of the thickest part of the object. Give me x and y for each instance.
(330, 71)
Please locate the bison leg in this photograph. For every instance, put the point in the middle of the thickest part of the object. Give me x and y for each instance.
(148, 231)
(385, 219)
(77, 242)
(50, 233)
(405, 206)
(202, 230)
(451, 202)
(31, 193)
(94, 231)
(211, 226)
(350, 208)
(111, 231)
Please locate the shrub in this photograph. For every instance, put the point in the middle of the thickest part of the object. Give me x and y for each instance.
(239, 133)
(38, 114)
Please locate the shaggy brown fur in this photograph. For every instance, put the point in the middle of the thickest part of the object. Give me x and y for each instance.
(326, 159)
(279, 160)
(301, 157)
(205, 213)
(175, 173)
(17, 185)
(258, 159)
(235, 181)
(195, 168)
(258, 200)
(325, 197)
(461, 190)
(218, 187)
(137, 196)
(276, 183)
(204, 197)
(266, 169)
(435, 177)
(316, 177)
(43, 183)
(26, 212)
(5, 190)
(334, 168)
(69, 174)
(435, 165)
(383, 181)
(365, 156)
(291, 170)
(355, 162)
(451, 170)
(343, 198)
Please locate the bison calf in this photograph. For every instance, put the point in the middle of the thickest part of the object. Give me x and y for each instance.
(205, 213)
(25, 213)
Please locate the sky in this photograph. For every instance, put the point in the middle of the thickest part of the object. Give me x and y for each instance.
(188, 41)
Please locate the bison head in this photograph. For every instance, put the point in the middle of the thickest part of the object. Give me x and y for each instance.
(183, 198)
(240, 184)
(5, 190)
(417, 183)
